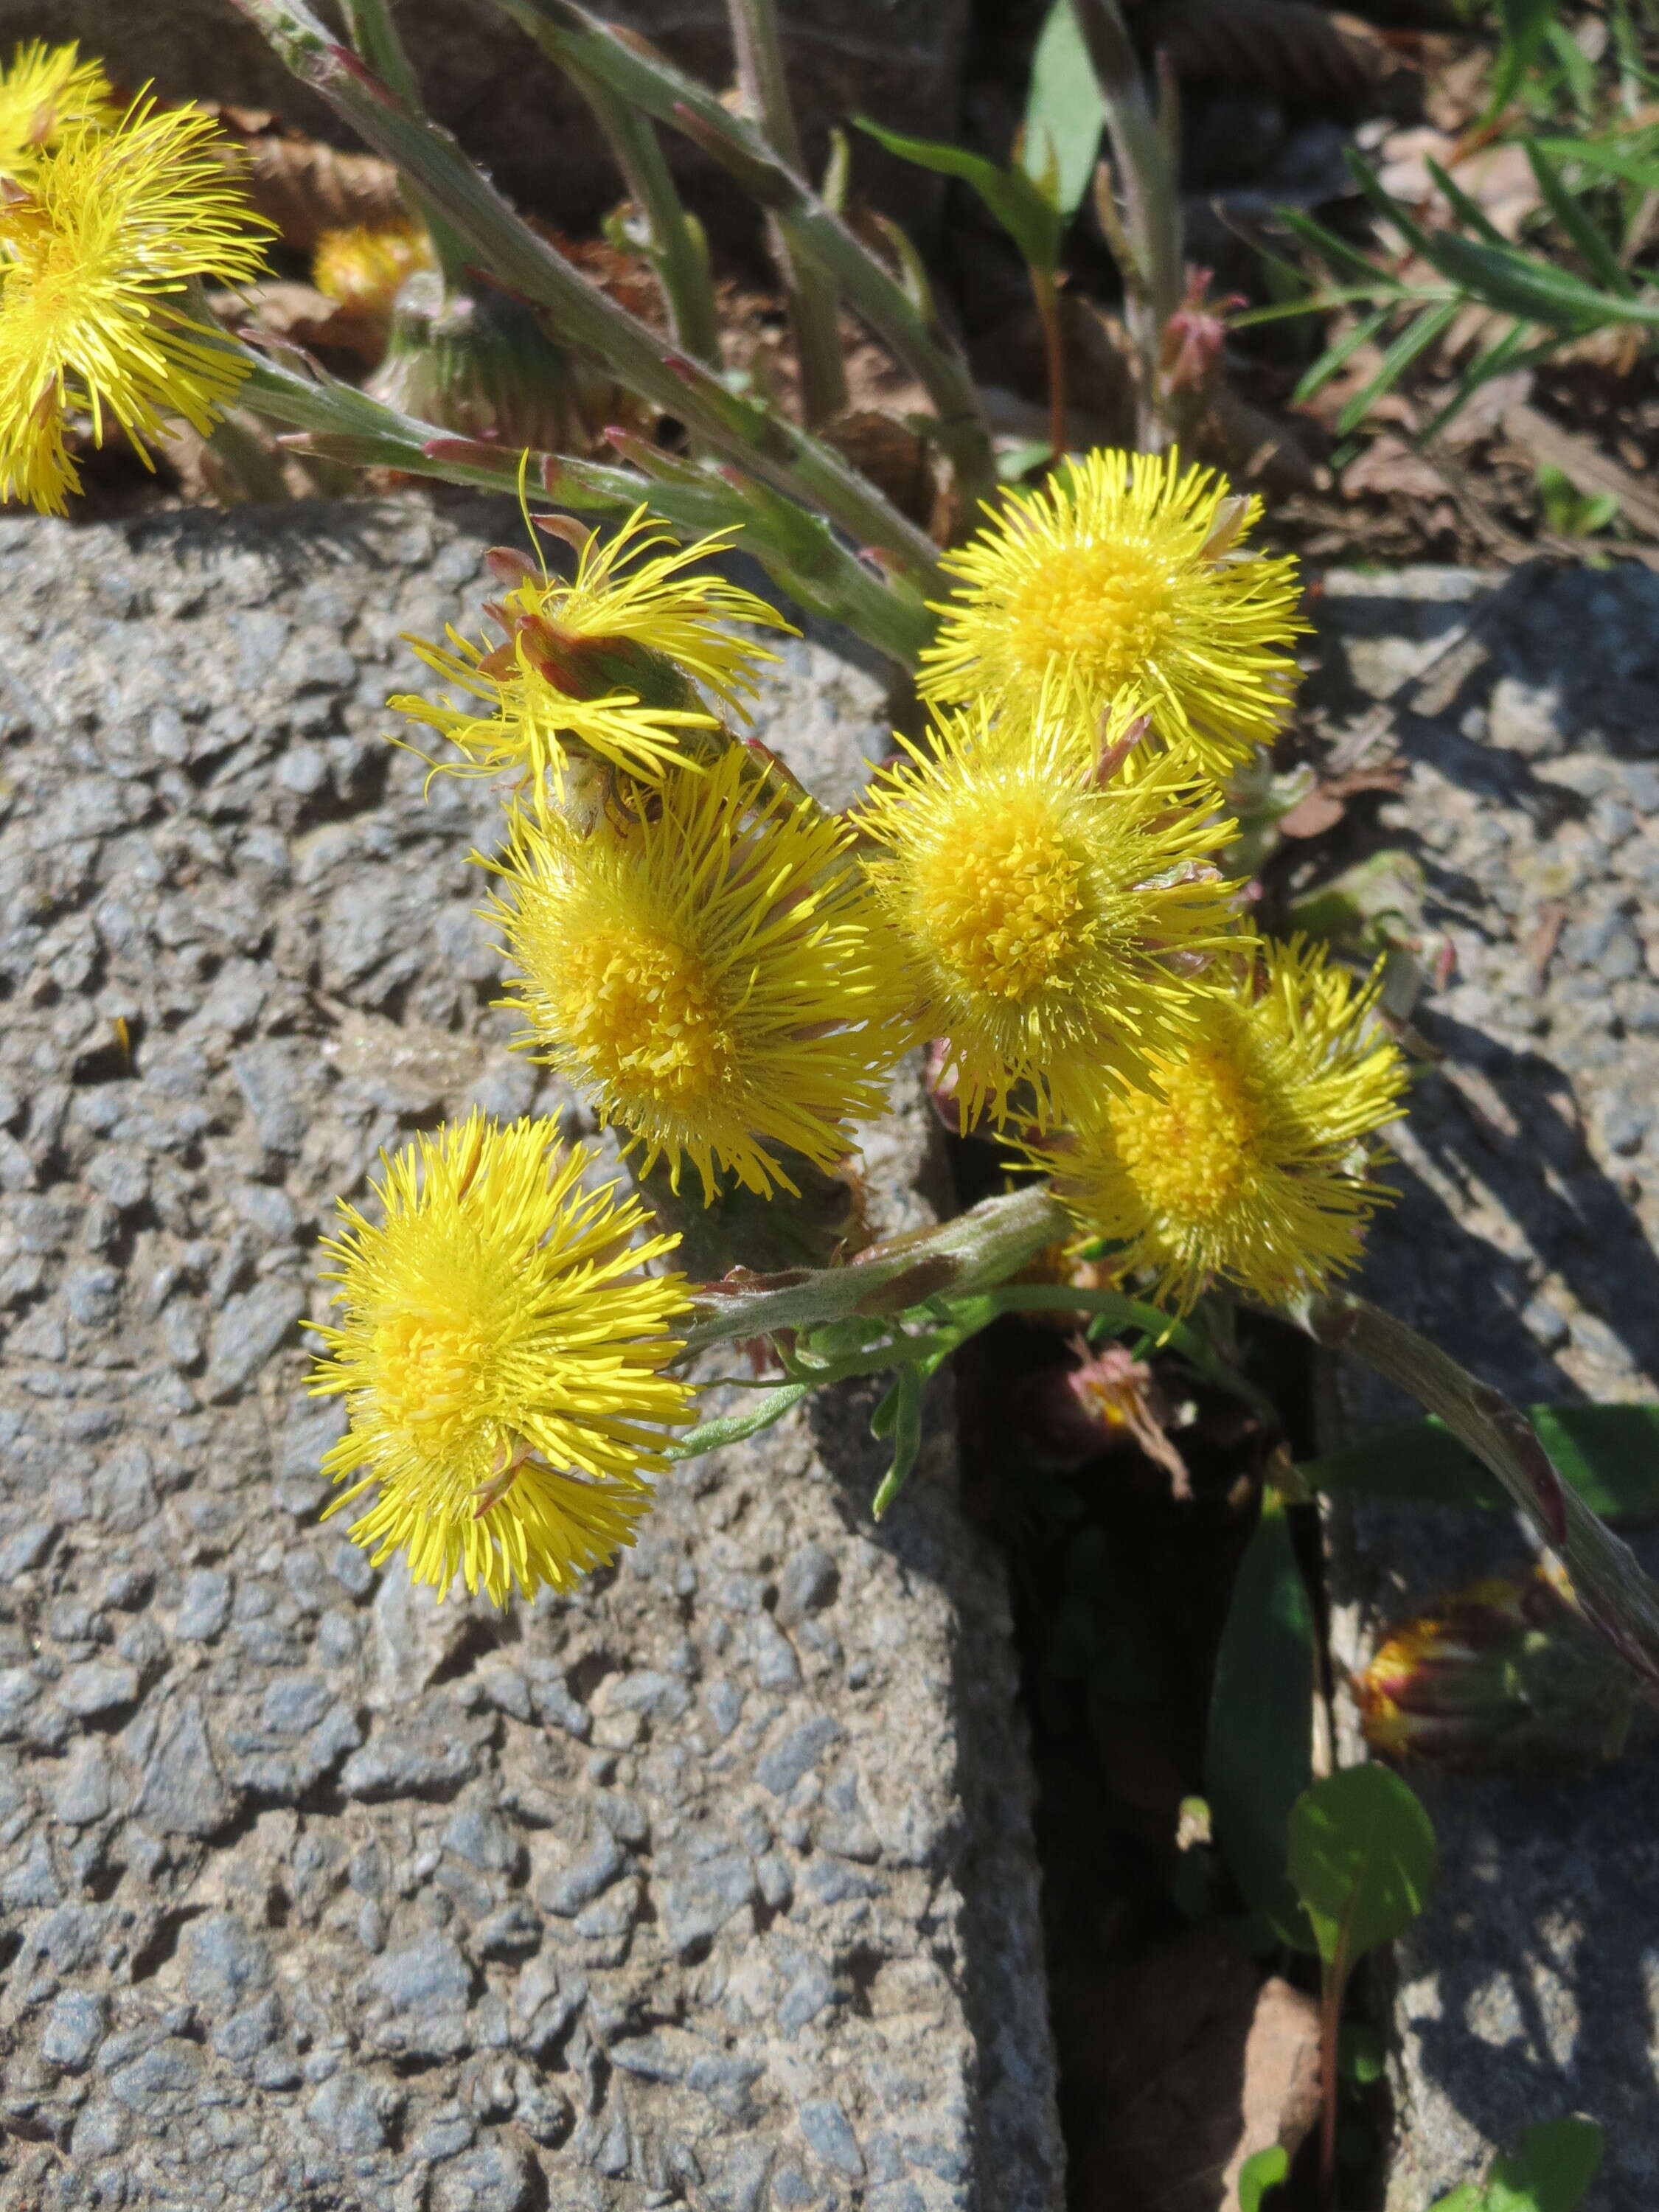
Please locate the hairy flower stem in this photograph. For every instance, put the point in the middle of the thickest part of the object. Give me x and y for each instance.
(583, 317)
(333, 422)
(1152, 203)
(567, 32)
(678, 252)
(376, 37)
(1612, 1593)
(812, 311)
(977, 1251)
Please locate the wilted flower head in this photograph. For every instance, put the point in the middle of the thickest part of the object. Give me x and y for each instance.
(500, 1356)
(97, 249)
(1125, 571)
(709, 970)
(609, 664)
(1245, 1156)
(45, 92)
(1052, 920)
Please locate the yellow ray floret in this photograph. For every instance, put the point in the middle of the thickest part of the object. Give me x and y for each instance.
(45, 92)
(1053, 915)
(607, 663)
(98, 248)
(1248, 1161)
(501, 1355)
(1126, 570)
(711, 972)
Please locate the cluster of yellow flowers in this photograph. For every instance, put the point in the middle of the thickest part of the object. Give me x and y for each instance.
(728, 972)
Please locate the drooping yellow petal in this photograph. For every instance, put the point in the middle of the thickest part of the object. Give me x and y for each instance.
(1248, 1157)
(502, 1355)
(711, 971)
(1125, 571)
(45, 92)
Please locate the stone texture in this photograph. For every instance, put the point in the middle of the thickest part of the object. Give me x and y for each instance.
(713, 1884)
(1524, 1243)
(898, 60)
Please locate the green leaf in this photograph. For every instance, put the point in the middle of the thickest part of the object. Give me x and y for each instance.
(1518, 283)
(1257, 1759)
(732, 1428)
(1415, 339)
(1032, 221)
(1064, 105)
(1360, 2057)
(899, 1415)
(1337, 357)
(1608, 1454)
(1552, 2171)
(1594, 251)
(1612, 161)
(1260, 2173)
(1524, 25)
(1362, 1857)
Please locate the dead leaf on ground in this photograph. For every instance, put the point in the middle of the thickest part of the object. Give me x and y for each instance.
(1186, 2063)
(1327, 803)
(1394, 469)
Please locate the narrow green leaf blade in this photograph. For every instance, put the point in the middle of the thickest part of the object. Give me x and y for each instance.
(1064, 105)
(1415, 340)
(1034, 223)
(1257, 1759)
(900, 1416)
(732, 1428)
(1594, 251)
(1362, 1857)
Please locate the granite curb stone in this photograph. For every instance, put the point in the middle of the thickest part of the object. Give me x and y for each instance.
(713, 1884)
(1524, 1242)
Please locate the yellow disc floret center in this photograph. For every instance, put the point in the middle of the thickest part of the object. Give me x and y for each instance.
(432, 1363)
(641, 1010)
(1192, 1154)
(1105, 608)
(999, 911)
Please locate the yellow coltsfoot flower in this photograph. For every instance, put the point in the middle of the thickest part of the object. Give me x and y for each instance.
(609, 664)
(1248, 1158)
(97, 249)
(501, 1355)
(1125, 571)
(1053, 912)
(710, 970)
(45, 92)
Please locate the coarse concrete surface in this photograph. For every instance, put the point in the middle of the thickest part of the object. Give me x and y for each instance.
(713, 1884)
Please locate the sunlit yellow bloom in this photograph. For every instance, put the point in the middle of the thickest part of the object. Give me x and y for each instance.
(1248, 1159)
(1053, 918)
(45, 92)
(710, 971)
(609, 663)
(501, 1355)
(1126, 570)
(98, 249)
(364, 267)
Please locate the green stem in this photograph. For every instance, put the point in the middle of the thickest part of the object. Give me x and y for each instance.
(339, 422)
(376, 39)
(1152, 199)
(1613, 1594)
(677, 249)
(585, 319)
(813, 310)
(978, 1250)
(566, 31)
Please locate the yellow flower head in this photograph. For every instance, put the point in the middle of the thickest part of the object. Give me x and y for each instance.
(607, 663)
(108, 234)
(1248, 1157)
(364, 268)
(711, 972)
(1052, 916)
(1125, 571)
(46, 92)
(500, 1356)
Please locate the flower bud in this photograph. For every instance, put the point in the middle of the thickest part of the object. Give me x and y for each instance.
(1503, 1674)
